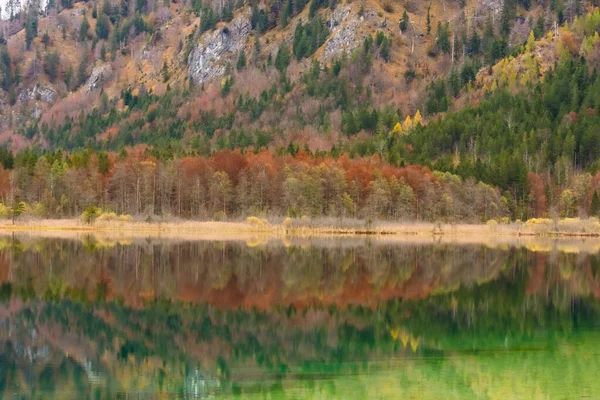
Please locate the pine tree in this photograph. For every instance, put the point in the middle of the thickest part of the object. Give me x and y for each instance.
(84, 29)
(404, 22)
(103, 52)
(51, 65)
(283, 58)
(31, 22)
(103, 27)
(241, 62)
(428, 22)
(46, 40)
(443, 37)
(165, 71)
(82, 70)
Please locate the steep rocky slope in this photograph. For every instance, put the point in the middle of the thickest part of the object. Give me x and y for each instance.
(151, 48)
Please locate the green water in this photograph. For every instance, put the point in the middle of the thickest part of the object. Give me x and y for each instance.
(298, 319)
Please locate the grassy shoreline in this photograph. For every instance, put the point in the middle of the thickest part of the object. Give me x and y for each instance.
(589, 228)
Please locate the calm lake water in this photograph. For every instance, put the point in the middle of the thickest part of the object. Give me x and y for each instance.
(91, 318)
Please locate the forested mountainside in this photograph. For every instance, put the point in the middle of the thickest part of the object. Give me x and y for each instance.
(384, 109)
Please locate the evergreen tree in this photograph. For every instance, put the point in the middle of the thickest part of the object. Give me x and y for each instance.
(428, 22)
(84, 29)
(6, 68)
(259, 19)
(283, 58)
(443, 37)
(454, 83)
(404, 22)
(507, 17)
(82, 70)
(31, 22)
(69, 77)
(241, 62)
(540, 27)
(140, 6)
(475, 43)
(286, 13)
(208, 20)
(103, 52)
(102, 27)
(165, 71)
(51, 64)
(46, 40)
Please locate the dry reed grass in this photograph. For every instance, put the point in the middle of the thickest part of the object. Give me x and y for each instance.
(572, 227)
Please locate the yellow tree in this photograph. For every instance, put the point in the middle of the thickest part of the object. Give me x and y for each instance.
(530, 46)
(407, 125)
(417, 120)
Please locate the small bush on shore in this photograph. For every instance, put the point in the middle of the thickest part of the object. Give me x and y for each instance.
(254, 221)
(90, 214)
(538, 221)
(4, 211)
(107, 216)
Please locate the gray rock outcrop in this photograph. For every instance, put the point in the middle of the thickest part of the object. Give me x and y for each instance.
(208, 59)
(343, 25)
(38, 92)
(100, 73)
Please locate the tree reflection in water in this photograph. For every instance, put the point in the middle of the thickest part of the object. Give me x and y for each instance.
(299, 318)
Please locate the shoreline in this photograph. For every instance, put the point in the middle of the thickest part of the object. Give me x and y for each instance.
(568, 228)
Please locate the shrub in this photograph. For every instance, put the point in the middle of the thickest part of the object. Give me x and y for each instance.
(125, 218)
(90, 214)
(4, 211)
(538, 221)
(254, 221)
(38, 210)
(569, 221)
(107, 216)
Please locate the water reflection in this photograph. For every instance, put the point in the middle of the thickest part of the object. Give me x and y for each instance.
(298, 318)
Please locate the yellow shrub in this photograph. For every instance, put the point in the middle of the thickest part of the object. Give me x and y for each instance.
(287, 222)
(569, 221)
(538, 221)
(504, 220)
(125, 218)
(254, 221)
(4, 211)
(491, 222)
(107, 216)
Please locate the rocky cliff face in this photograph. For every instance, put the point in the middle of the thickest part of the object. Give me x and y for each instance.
(344, 26)
(209, 58)
(100, 74)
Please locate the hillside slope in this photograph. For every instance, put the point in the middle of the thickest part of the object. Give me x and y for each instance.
(193, 49)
